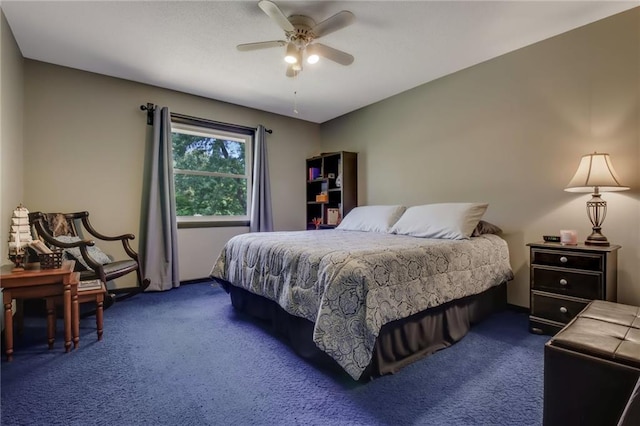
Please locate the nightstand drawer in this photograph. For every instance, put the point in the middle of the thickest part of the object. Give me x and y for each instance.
(555, 309)
(571, 283)
(567, 259)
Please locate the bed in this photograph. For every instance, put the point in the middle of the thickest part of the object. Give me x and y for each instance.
(370, 302)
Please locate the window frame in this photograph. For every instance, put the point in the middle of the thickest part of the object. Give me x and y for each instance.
(211, 129)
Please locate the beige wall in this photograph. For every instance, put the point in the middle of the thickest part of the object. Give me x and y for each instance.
(84, 150)
(11, 119)
(510, 132)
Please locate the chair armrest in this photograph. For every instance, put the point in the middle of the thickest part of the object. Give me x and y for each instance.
(85, 222)
(124, 238)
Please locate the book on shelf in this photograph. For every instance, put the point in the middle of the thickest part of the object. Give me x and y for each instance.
(314, 173)
(89, 285)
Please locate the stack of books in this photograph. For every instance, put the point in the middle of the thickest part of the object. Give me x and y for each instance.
(89, 285)
(314, 173)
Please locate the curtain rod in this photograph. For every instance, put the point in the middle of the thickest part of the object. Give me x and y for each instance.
(150, 108)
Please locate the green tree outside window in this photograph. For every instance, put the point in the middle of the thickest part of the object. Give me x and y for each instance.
(210, 175)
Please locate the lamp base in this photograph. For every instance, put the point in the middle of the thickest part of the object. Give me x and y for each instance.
(597, 211)
(597, 239)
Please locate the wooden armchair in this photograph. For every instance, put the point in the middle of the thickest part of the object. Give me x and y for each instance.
(65, 231)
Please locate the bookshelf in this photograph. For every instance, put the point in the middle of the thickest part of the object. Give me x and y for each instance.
(332, 188)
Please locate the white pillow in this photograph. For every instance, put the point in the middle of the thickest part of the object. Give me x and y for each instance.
(371, 218)
(455, 221)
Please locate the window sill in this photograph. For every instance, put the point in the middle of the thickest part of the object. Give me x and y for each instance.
(213, 224)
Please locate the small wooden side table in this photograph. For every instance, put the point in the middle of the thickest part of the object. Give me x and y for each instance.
(39, 283)
(94, 295)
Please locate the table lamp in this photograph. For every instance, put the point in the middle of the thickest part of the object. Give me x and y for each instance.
(595, 173)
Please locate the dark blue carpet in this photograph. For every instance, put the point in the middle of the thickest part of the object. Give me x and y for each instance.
(184, 357)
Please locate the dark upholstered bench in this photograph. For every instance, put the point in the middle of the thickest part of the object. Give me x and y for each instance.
(592, 366)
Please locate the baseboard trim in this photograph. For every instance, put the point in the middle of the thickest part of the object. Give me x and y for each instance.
(516, 308)
(196, 281)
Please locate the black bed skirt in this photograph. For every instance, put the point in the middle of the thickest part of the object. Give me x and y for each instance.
(399, 343)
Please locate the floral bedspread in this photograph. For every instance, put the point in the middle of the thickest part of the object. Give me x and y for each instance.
(349, 284)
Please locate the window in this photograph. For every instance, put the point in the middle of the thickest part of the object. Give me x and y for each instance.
(211, 173)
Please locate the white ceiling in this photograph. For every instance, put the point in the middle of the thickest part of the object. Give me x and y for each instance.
(189, 46)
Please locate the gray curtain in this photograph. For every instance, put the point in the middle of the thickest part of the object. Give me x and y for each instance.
(159, 247)
(261, 214)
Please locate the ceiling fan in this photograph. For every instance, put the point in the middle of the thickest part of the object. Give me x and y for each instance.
(301, 33)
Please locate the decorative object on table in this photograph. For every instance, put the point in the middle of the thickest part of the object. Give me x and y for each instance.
(19, 236)
(551, 238)
(595, 173)
(31, 261)
(49, 259)
(316, 222)
(52, 260)
(333, 216)
(568, 237)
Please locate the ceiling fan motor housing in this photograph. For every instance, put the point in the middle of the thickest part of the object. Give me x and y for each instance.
(302, 35)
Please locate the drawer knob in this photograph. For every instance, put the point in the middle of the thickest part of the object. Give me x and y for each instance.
(563, 282)
(563, 259)
(563, 310)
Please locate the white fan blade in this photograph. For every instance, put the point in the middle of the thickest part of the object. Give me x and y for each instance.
(276, 14)
(332, 54)
(260, 45)
(334, 23)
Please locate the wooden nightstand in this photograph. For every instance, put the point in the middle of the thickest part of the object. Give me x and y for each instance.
(564, 279)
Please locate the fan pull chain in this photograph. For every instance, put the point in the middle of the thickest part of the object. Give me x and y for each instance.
(296, 86)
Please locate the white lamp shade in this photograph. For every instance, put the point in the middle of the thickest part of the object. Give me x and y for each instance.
(312, 54)
(595, 170)
(292, 55)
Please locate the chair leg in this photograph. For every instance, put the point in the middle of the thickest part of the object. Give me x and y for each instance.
(99, 314)
(51, 322)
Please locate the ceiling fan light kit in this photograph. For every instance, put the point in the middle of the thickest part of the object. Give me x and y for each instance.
(301, 32)
(312, 55)
(292, 55)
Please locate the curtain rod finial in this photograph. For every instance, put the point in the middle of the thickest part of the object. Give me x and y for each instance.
(150, 108)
